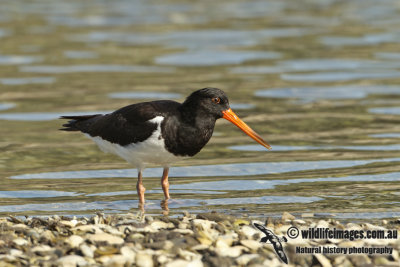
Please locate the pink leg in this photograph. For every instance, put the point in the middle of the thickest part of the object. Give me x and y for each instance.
(165, 183)
(140, 189)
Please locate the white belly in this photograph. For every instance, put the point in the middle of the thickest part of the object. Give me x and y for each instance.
(151, 150)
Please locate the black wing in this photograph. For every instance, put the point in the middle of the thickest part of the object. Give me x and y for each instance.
(261, 228)
(266, 231)
(127, 125)
(279, 251)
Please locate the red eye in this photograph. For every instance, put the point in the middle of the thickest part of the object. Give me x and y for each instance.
(216, 100)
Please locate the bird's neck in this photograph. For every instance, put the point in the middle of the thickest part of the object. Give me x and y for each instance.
(194, 116)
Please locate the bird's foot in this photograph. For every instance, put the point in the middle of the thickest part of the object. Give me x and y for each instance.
(140, 213)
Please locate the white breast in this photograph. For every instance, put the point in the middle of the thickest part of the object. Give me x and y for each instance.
(151, 150)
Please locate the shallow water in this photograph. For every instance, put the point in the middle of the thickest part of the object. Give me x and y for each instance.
(324, 95)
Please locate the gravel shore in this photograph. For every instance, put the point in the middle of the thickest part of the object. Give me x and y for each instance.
(208, 239)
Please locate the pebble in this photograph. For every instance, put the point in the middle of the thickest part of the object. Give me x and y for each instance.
(116, 261)
(234, 252)
(20, 242)
(144, 260)
(298, 221)
(323, 260)
(129, 254)
(70, 224)
(15, 252)
(249, 231)
(287, 216)
(104, 237)
(161, 225)
(42, 249)
(75, 241)
(183, 263)
(71, 261)
(86, 251)
(251, 244)
(244, 259)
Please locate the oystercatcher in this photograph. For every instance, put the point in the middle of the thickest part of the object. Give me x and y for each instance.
(159, 132)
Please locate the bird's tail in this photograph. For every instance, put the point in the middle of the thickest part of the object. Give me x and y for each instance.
(72, 124)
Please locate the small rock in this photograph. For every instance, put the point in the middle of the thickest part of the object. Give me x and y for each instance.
(251, 244)
(234, 252)
(69, 224)
(189, 256)
(216, 217)
(249, 231)
(116, 261)
(183, 225)
(42, 249)
(323, 260)
(162, 259)
(307, 215)
(184, 231)
(144, 260)
(19, 226)
(93, 229)
(204, 224)
(104, 237)
(15, 252)
(183, 263)
(129, 254)
(71, 261)
(20, 242)
(86, 251)
(245, 258)
(74, 241)
(240, 222)
(161, 225)
(298, 221)
(322, 224)
(287, 216)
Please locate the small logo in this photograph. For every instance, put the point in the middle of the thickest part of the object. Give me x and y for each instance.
(292, 232)
(275, 241)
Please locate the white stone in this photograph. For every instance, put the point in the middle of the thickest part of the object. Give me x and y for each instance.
(299, 221)
(245, 258)
(183, 263)
(116, 261)
(161, 225)
(249, 231)
(19, 226)
(183, 231)
(323, 260)
(234, 252)
(144, 260)
(94, 229)
(74, 241)
(86, 251)
(129, 254)
(251, 244)
(42, 249)
(70, 224)
(104, 237)
(204, 224)
(20, 241)
(71, 261)
(322, 224)
(15, 252)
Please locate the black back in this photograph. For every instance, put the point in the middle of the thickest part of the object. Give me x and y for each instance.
(186, 127)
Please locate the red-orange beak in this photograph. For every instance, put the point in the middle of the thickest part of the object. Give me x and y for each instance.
(232, 117)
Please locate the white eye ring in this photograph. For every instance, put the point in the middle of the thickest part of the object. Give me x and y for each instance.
(216, 100)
